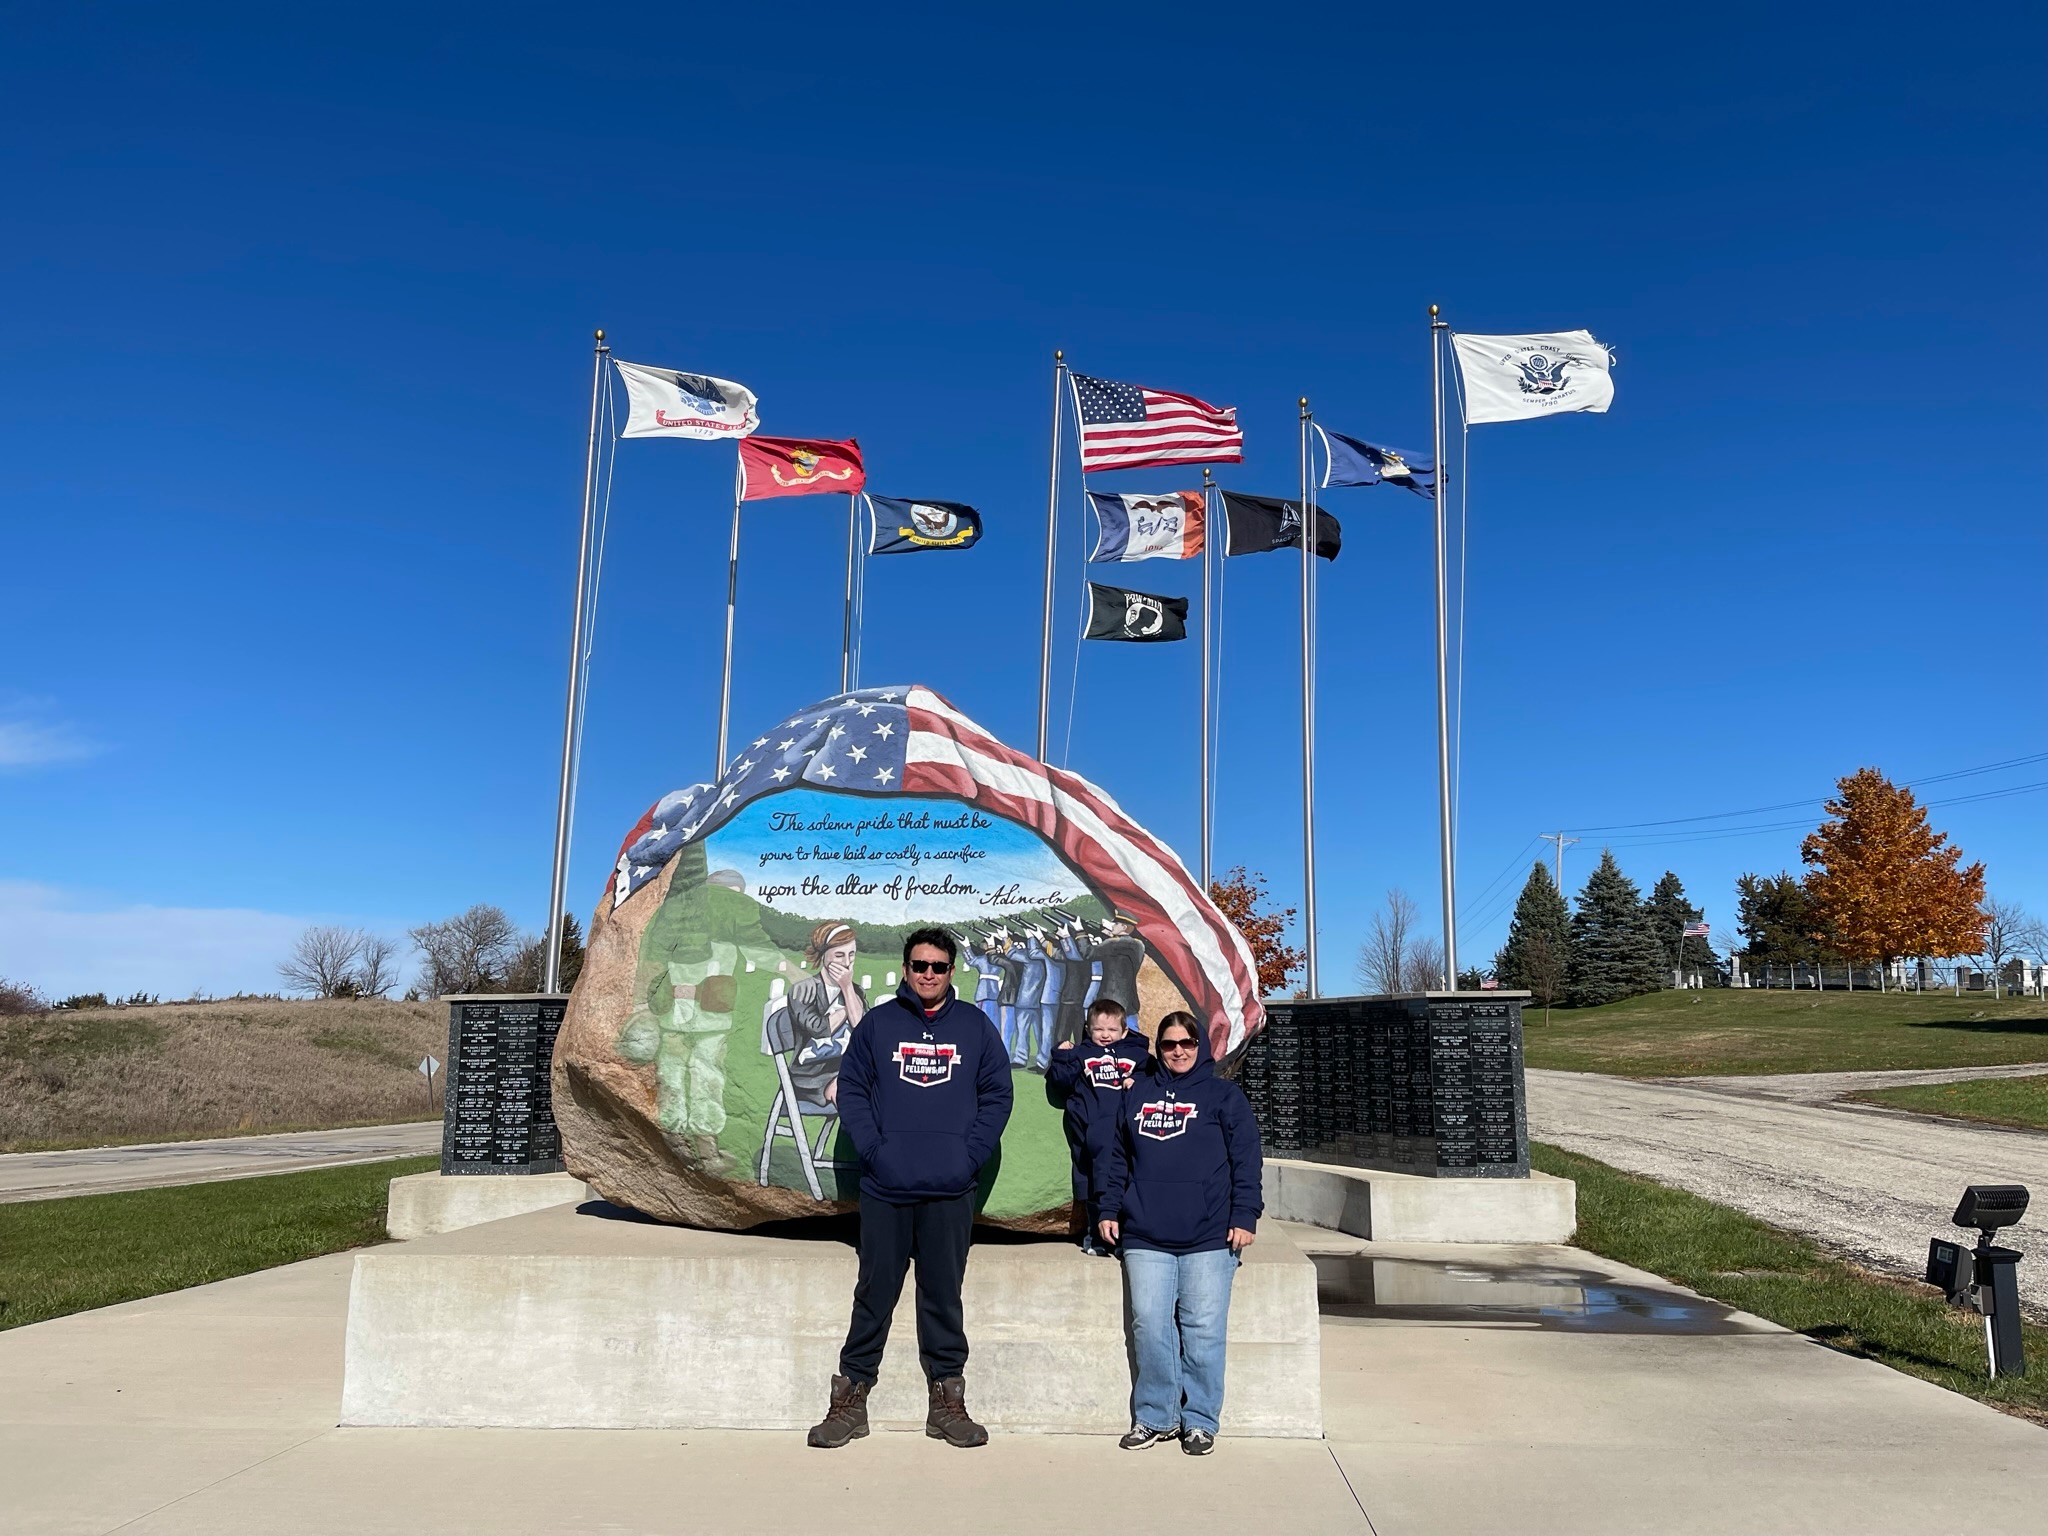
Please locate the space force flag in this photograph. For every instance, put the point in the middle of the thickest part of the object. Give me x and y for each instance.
(1168, 527)
(904, 527)
(1254, 524)
(665, 403)
(1511, 378)
(798, 466)
(1353, 461)
(1115, 613)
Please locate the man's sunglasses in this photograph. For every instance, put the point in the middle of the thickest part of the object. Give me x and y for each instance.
(1176, 1045)
(928, 967)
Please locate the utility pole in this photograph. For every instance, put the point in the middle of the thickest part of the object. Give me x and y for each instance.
(1562, 841)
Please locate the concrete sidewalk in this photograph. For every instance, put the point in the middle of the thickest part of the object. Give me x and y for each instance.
(212, 1410)
(103, 1170)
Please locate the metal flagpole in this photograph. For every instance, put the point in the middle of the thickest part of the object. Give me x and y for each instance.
(1308, 719)
(1052, 526)
(846, 629)
(732, 591)
(1208, 558)
(1443, 703)
(552, 981)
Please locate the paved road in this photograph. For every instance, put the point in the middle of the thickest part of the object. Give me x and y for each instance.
(98, 1170)
(1870, 1183)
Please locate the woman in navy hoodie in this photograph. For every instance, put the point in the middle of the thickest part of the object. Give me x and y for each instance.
(1182, 1194)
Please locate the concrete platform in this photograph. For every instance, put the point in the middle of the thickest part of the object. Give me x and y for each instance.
(423, 1204)
(1404, 1208)
(593, 1318)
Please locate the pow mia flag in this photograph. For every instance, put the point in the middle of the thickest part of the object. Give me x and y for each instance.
(1255, 524)
(1115, 613)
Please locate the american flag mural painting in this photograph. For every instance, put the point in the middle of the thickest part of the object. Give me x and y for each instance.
(910, 741)
(1124, 426)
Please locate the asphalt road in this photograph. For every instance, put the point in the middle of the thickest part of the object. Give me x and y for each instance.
(1870, 1183)
(100, 1170)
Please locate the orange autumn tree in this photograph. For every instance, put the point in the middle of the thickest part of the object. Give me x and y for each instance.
(1238, 896)
(1885, 883)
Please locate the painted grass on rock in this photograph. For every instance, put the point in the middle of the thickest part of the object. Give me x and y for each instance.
(61, 1256)
(2015, 1101)
(1740, 1031)
(1791, 1281)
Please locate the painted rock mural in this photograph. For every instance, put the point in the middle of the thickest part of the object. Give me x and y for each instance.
(750, 924)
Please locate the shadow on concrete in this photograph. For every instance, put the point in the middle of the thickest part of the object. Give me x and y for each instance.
(842, 1229)
(1537, 1295)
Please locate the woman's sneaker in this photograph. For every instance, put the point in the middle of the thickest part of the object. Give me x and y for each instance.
(1198, 1442)
(1140, 1438)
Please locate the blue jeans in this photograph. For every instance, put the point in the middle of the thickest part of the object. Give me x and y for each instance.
(1180, 1309)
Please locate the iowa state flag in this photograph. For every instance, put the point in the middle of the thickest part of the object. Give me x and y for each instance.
(797, 466)
(1134, 527)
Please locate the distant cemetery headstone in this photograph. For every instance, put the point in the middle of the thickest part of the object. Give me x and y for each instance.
(497, 1104)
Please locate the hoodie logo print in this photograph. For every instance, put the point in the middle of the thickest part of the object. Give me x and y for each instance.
(925, 1066)
(1109, 1071)
(1163, 1119)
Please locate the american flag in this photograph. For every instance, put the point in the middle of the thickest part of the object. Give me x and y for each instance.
(910, 741)
(1694, 931)
(1125, 427)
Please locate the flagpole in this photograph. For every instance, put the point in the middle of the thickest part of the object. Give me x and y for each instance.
(1443, 704)
(846, 629)
(1308, 719)
(1208, 556)
(557, 888)
(1052, 524)
(732, 591)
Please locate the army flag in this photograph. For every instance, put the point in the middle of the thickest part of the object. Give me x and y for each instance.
(1254, 524)
(664, 403)
(1511, 378)
(1353, 461)
(904, 527)
(1115, 613)
(798, 466)
(1134, 527)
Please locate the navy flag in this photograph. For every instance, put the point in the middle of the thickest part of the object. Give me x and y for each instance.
(1254, 524)
(1116, 613)
(1352, 461)
(904, 527)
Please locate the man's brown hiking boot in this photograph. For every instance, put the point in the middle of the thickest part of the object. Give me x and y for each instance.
(846, 1419)
(947, 1420)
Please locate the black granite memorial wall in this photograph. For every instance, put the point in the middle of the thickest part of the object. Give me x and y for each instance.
(1427, 1084)
(498, 1110)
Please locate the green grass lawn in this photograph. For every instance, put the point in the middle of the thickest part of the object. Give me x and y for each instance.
(1729, 1030)
(60, 1256)
(1789, 1280)
(2017, 1101)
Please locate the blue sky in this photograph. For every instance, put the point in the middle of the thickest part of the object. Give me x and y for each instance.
(293, 386)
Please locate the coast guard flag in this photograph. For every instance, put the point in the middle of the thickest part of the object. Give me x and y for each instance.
(665, 403)
(1134, 527)
(1352, 461)
(798, 466)
(903, 527)
(1511, 378)
(1115, 613)
(1252, 525)
(1124, 426)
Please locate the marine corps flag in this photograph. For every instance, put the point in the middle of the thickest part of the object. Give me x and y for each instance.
(904, 527)
(798, 466)
(1115, 613)
(1254, 524)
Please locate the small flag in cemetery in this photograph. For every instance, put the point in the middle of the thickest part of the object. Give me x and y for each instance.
(1168, 527)
(798, 466)
(1352, 461)
(1115, 613)
(903, 527)
(1126, 427)
(1254, 524)
(1694, 930)
(1511, 378)
(665, 403)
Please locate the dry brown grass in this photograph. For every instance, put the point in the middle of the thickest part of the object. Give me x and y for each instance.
(187, 1070)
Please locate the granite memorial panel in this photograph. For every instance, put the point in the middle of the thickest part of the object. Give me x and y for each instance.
(498, 1113)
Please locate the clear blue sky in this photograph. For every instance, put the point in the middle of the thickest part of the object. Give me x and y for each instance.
(293, 382)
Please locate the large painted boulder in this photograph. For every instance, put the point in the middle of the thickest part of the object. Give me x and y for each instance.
(749, 924)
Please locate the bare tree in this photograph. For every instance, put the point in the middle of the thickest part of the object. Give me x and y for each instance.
(19, 997)
(323, 962)
(1544, 967)
(1383, 957)
(376, 970)
(469, 952)
(1422, 968)
(2009, 932)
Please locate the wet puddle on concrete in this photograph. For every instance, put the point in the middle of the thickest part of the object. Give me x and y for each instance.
(1534, 1295)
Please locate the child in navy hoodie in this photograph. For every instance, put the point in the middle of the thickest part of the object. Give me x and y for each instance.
(1182, 1189)
(1095, 1080)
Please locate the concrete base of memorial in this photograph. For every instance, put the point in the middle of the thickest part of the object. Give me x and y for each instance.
(1405, 1208)
(423, 1204)
(594, 1318)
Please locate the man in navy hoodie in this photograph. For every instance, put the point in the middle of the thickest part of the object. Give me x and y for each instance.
(924, 1093)
(1095, 1077)
(1182, 1193)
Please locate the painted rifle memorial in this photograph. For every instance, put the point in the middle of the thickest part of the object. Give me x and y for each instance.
(750, 923)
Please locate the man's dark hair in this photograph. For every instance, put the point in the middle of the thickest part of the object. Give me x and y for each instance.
(1104, 1007)
(934, 938)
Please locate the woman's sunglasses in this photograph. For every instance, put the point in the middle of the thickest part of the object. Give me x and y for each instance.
(1177, 1045)
(928, 967)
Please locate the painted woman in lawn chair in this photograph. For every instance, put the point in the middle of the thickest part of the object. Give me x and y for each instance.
(807, 1031)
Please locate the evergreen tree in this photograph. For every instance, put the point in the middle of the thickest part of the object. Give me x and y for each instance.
(1537, 956)
(1668, 913)
(1776, 917)
(1614, 954)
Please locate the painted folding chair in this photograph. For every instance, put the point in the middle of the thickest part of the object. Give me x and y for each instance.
(789, 1111)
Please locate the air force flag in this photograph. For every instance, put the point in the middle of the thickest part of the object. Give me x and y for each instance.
(665, 403)
(1511, 378)
(1350, 461)
(904, 527)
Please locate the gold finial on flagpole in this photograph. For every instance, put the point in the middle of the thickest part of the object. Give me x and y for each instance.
(600, 336)
(1432, 311)
(1059, 354)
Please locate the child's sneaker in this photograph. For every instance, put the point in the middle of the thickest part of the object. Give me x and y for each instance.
(1141, 1438)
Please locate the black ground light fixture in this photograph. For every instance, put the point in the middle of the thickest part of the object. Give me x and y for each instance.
(1986, 1277)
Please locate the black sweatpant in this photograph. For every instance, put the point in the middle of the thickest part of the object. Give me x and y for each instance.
(935, 1233)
